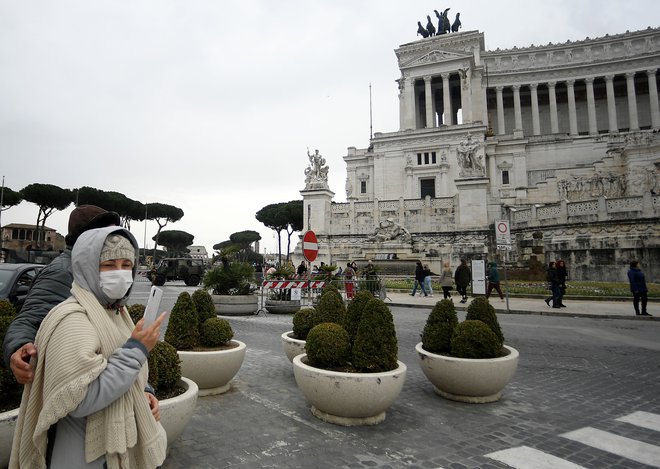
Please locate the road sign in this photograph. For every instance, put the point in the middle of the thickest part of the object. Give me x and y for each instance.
(310, 246)
(502, 234)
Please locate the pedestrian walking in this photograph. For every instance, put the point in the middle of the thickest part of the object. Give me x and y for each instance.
(638, 288)
(494, 280)
(562, 274)
(419, 279)
(302, 269)
(427, 279)
(446, 280)
(462, 277)
(552, 278)
(349, 273)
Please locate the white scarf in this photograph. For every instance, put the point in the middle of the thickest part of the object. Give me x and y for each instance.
(70, 338)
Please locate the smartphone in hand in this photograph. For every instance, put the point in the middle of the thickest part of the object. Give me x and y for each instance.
(152, 311)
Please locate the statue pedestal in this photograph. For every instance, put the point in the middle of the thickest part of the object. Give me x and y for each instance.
(472, 196)
(317, 209)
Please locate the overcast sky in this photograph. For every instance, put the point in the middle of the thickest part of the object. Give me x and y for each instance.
(211, 105)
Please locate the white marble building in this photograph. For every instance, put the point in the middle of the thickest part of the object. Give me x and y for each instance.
(563, 139)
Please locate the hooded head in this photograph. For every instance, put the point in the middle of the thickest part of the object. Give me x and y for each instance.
(88, 217)
(98, 245)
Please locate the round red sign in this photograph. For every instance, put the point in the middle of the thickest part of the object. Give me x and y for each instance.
(310, 246)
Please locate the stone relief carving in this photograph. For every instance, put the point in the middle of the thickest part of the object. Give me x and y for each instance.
(316, 174)
(587, 187)
(388, 230)
(469, 162)
(641, 180)
(348, 187)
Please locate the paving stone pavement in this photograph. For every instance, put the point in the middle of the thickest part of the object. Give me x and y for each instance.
(569, 378)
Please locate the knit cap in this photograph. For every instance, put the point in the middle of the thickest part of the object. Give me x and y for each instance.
(117, 247)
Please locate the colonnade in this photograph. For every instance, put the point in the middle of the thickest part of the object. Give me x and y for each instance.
(572, 107)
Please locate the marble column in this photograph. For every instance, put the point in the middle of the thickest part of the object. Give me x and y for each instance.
(611, 104)
(572, 111)
(516, 108)
(430, 104)
(501, 128)
(653, 97)
(446, 100)
(536, 123)
(591, 106)
(554, 120)
(633, 119)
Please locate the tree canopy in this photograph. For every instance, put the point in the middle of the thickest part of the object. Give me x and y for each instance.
(48, 198)
(128, 209)
(10, 198)
(239, 246)
(283, 216)
(175, 241)
(162, 214)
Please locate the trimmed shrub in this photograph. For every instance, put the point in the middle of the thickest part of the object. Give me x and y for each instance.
(330, 287)
(215, 332)
(136, 312)
(203, 305)
(164, 369)
(480, 309)
(436, 337)
(303, 321)
(7, 309)
(327, 346)
(354, 312)
(474, 339)
(183, 329)
(375, 346)
(330, 308)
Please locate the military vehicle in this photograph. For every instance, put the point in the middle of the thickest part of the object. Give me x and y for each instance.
(179, 268)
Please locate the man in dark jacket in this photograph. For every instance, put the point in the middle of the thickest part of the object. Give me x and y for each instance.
(51, 287)
(638, 288)
(552, 278)
(419, 279)
(462, 277)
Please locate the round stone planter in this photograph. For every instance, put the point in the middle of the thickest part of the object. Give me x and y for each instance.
(282, 306)
(348, 398)
(176, 412)
(235, 305)
(7, 426)
(291, 346)
(469, 380)
(212, 370)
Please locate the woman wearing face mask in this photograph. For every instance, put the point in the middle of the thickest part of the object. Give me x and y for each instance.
(86, 407)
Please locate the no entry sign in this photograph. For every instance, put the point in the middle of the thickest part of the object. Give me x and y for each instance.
(310, 246)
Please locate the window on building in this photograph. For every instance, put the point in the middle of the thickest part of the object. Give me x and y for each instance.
(363, 187)
(505, 177)
(427, 187)
(419, 159)
(428, 157)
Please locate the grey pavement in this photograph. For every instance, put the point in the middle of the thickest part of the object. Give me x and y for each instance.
(586, 394)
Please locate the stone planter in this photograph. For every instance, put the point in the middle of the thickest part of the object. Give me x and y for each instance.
(470, 380)
(235, 305)
(212, 370)
(282, 306)
(291, 346)
(348, 398)
(7, 426)
(176, 412)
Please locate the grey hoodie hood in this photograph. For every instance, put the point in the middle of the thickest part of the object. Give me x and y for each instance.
(85, 261)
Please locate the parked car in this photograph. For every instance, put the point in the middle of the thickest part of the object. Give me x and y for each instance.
(16, 280)
(180, 268)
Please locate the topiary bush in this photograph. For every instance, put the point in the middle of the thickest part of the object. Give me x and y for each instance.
(474, 339)
(136, 312)
(203, 305)
(10, 390)
(183, 329)
(480, 309)
(164, 370)
(303, 321)
(436, 337)
(215, 332)
(330, 308)
(354, 312)
(327, 346)
(375, 347)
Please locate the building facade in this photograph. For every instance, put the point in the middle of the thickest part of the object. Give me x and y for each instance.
(560, 140)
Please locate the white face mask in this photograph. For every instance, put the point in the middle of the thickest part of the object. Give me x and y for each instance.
(115, 283)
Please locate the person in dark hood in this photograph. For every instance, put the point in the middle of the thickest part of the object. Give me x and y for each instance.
(638, 288)
(419, 279)
(51, 287)
(91, 370)
(494, 280)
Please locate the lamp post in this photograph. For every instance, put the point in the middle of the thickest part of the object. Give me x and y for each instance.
(144, 243)
(2, 201)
